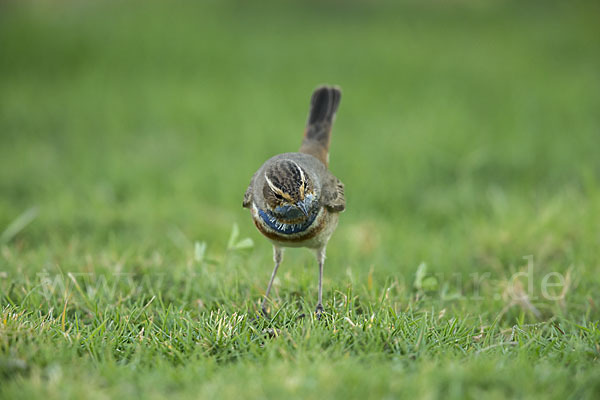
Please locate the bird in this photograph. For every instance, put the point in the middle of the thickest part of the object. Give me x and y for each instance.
(293, 198)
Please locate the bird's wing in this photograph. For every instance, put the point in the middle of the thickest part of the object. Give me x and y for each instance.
(247, 203)
(333, 195)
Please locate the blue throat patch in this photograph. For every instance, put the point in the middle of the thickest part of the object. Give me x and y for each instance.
(286, 229)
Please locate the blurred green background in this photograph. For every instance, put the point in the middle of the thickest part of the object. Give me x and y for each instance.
(121, 121)
(124, 117)
(467, 138)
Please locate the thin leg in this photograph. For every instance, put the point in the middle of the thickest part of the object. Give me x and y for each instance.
(277, 257)
(321, 260)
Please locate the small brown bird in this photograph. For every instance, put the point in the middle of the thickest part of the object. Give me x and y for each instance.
(293, 198)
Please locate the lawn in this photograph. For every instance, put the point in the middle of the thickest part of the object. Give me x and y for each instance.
(466, 265)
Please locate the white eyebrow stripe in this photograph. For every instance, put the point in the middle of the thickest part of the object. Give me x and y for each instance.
(301, 171)
(271, 185)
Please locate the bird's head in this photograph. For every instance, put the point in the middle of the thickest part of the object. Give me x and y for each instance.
(289, 191)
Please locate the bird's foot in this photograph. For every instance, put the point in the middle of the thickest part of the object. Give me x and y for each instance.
(319, 311)
(264, 312)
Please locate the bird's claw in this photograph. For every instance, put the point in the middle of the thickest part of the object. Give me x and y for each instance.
(264, 312)
(319, 311)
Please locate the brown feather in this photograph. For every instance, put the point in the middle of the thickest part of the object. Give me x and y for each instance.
(323, 106)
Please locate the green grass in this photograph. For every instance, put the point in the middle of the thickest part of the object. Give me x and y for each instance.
(467, 139)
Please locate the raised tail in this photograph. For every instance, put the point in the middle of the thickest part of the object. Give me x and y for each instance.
(323, 106)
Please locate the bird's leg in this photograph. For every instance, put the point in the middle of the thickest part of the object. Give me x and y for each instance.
(321, 260)
(277, 257)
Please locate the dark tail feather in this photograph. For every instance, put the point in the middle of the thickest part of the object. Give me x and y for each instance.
(323, 106)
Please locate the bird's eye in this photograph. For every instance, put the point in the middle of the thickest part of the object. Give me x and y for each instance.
(278, 196)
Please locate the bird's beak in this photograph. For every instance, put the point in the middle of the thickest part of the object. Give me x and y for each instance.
(302, 207)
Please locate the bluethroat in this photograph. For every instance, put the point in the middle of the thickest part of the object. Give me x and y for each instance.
(293, 198)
